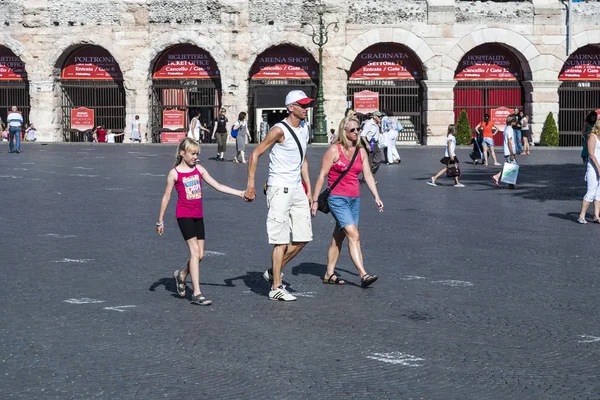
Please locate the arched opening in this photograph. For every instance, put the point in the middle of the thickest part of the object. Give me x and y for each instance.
(185, 82)
(14, 86)
(387, 77)
(92, 94)
(275, 72)
(578, 94)
(488, 82)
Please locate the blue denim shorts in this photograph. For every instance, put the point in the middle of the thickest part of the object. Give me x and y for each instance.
(344, 209)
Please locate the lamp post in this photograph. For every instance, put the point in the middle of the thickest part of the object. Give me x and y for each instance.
(320, 39)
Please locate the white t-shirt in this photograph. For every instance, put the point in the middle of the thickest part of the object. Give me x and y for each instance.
(285, 163)
(452, 145)
(110, 138)
(524, 124)
(370, 130)
(509, 133)
(14, 119)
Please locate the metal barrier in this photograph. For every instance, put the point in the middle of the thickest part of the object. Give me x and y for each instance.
(14, 93)
(576, 99)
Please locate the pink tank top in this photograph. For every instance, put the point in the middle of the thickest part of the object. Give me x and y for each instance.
(189, 194)
(349, 185)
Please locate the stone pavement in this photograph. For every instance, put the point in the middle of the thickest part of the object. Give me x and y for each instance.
(484, 293)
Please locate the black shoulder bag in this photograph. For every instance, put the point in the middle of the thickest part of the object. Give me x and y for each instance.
(299, 149)
(324, 196)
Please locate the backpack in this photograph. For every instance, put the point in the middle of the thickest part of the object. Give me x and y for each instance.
(234, 132)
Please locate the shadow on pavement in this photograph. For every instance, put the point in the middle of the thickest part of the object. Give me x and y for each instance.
(253, 281)
(318, 270)
(169, 285)
(571, 216)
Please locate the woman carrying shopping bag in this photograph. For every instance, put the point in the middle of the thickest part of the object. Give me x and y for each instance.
(450, 160)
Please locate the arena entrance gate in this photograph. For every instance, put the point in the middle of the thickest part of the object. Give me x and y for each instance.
(14, 87)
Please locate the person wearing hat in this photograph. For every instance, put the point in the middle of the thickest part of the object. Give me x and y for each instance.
(369, 137)
(289, 226)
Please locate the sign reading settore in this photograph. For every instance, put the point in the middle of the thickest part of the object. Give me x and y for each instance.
(366, 101)
(499, 115)
(172, 137)
(386, 61)
(11, 66)
(82, 119)
(284, 62)
(91, 63)
(173, 119)
(490, 62)
(583, 65)
(185, 61)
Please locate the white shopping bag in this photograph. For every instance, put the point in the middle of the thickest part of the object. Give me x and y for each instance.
(510, 171)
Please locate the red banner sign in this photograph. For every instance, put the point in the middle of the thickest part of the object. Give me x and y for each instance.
(366, 101)
(172, 137)
(386, 61)
(284, 62)
(91, 63)
(499, 115)
(82, 119)
(11, 66)
(489, 62)
(583, 65)
(173, 119)
(185, 61)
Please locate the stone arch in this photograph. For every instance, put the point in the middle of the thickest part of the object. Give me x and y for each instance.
(386, 35)
(17, 48)
(277, 43)
(65, 46)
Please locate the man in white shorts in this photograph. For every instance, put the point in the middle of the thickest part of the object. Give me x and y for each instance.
(287, 199)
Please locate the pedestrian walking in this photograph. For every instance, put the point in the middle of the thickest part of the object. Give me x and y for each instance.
(264, 127)
(592, 176)
(136, 130)
(220, 130)
(288, 220)
(518, 133)
(187, 176)
(195, 130)
(489, 130)
(240, 140)
(526, 132)
(449, 160)
(510, 148)
(588, 125)
(342, 163)
(14, 120)
(370, 134)
(391, 137)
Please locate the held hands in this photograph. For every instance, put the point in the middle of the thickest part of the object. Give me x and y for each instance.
(246, 199)
(250, 193)
(313, 207)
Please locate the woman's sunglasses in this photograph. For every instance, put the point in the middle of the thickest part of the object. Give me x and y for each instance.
(352, 130)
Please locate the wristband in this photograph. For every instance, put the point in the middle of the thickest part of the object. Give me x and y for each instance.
(160, 223)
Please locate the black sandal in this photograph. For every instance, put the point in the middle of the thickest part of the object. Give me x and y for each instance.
(336, 281)
(179, 284)
(367, 279)
(201, 300)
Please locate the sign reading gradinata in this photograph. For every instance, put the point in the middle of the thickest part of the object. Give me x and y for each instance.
(386, 61)
(284, 62)
(91, 63)
(583, 65)
(185, 61)
(11, 66)
(489, 62)
(82, 119)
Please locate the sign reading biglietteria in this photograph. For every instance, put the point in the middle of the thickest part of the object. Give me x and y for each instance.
(489, 62)
(185, 61)
(284, 62)
(91, 63)
(11, 66)
(386, 61)
(583, 65)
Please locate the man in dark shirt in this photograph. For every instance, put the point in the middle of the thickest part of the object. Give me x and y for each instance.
(220, 130)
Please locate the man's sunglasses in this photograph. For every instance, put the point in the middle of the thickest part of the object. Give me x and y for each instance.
(304, 106)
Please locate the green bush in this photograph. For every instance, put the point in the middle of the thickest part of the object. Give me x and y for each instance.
(463, 129)
(549, 135)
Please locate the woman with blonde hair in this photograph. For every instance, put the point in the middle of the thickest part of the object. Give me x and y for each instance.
(342, 163)
(592, 176)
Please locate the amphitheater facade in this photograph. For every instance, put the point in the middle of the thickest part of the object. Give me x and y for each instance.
(425, 60)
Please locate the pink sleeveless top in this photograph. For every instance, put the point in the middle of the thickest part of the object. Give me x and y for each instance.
(189, 194)
(349, 185)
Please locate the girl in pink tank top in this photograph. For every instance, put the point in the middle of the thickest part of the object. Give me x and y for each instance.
(187, 177)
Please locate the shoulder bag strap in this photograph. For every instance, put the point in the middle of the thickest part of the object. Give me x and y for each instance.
(347, 169)
(296, 139)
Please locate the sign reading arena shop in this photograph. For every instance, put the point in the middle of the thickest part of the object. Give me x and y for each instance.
(185, 61)
(11, 66)
(489, 62)
(284, 62)
(91, 63)
(386, 61)
(583, 65)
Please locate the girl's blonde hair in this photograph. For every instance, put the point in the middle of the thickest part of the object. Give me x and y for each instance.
(187, 145)
(596, 128)
(342, 138)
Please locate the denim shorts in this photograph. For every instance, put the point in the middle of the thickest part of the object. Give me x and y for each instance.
(344, 209)
(488, 141)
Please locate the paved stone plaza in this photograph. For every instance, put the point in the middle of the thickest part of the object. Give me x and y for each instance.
(484, 293)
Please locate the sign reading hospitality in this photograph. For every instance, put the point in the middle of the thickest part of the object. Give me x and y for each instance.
(488, 63)
(499, 115)
(284, 62)
(386, 61)
(91, 63)
(366, 101)
(172, 137)
(11, 66)
(82, 119)
(173, 119)
(583, 65)
(185, 61)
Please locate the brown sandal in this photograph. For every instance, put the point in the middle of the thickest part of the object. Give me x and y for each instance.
(336, 281)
